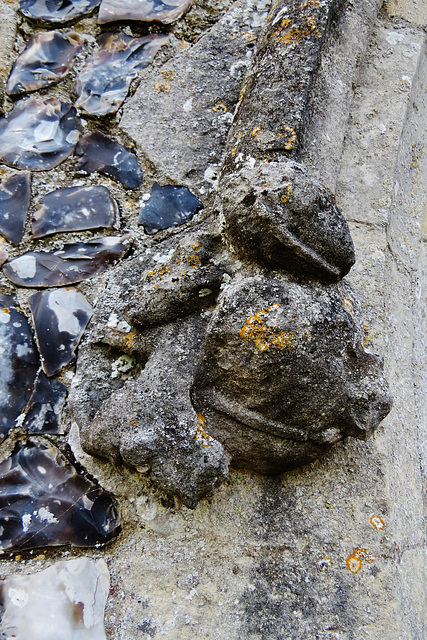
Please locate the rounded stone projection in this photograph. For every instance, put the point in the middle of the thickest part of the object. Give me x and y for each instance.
(279, 215)
(258, 360)
(285, 373)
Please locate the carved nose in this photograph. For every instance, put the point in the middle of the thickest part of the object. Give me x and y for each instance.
(369, 396)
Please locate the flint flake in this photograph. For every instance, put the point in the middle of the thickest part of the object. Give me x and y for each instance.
(44, 502)
(19, 362)
(15, 193)
(104, 82)
(44, 409)
(47, 58)
(73, 263)
(74, 209)
(56, 11)
(96, 152)
(60, 318)
(168, 206)
(38, 134)
(144, 10)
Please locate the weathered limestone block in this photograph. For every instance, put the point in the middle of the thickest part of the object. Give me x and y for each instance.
(180, 118)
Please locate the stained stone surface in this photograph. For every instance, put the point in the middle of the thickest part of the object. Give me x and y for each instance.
(19, 362)
(15, 193)
(102, 85)
(74, 209)
(47, 58)
(45, 502)
(98, 152)
(145, 10)
(60, 318)
(168, 206)
(58, 11)
(38, 134)
(73, 263)
(69, 595)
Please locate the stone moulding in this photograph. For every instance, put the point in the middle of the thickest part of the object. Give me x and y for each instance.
(247, 344)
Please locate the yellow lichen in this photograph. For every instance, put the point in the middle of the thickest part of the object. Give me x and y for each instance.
(285, 196)
(163, 87)
(348, 306)
(167, 74)
(220, 107)
(367, 335)
(128, 340)
(377, 522)
(255, 131)
(265, 336)
(202, 437)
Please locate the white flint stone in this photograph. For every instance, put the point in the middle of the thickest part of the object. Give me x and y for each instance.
(68, 597)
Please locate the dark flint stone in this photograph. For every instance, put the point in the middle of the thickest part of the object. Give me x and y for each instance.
(47, 58)
(103, 84)
(38, 134)
(15, 193)
(144, 10)
(168, 206)
(19, 363)
(74, 209)
(73, 263)
(44, 502)
(44, 409)
(56, 11)
(60, 318)
(96, 152)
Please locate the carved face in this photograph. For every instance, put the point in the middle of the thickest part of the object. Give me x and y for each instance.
(285, 373)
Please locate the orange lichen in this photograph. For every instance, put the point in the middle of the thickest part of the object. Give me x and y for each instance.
(354, 564)
(6, 310)
(285, 196)
(348, 306)
(167, 74)
(309, 3)
(193, 261)
(265, 336)
(255, 131)
(289, 137)
(128, 340)
(354, 561)
(377, 522)
(249, 36)
(164, 87)
(220, 107)
(202, 437)
(196, 246)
